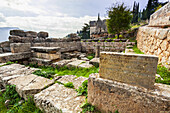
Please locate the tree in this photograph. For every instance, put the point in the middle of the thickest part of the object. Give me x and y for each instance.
(135, 12)
(119, 18)
(85, 32)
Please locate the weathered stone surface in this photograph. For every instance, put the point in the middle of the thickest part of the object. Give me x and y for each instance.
(42, 34)
(109, 96)
(45, 49)
(18, 33)
(80, 64)
(41, 62)
(61, 63)
(18, 39)
(161, 33)
(5, 57)
(133, 69)
(77, 81)
(30, 84)
(161, 17)
(5, 44)
(168, 36)
(47, 55)
(97, 55)
(1, 50)
(95, 61)
(59, 99)
(20, 47)
(85, 65)
(31, 34)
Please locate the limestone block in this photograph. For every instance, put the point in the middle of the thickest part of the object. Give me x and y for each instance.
(1, 50)
(5, 44)
(30, 84)
(109, 96)
(164, 45)
(59, 99)
(41, 62)
(85, 65)
(95, 61)
(31, 34)
(80, 64)
(77, 81)
(45, 49)
(5, 57)
(42, 34)
(20, 47)
(134, 69)
(161, 33)
(47, 55)
(18, 33)
(168, 36)
(61, 63)
(14, 39)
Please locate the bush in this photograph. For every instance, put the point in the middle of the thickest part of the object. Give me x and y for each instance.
(69, 85)
(82, 90)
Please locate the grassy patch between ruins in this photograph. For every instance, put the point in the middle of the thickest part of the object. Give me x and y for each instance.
(49, 72)
(136, 50)
(13, 105)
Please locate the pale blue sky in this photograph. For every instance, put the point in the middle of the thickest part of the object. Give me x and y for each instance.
(58, 17)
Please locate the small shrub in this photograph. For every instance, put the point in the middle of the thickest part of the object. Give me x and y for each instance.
(69, 85)
(90, 57)
(82, 90)
(136, 50)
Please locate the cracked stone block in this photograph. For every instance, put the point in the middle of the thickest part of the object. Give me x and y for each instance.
(46, 49)
(40, 62)
(75, 63)
(59, 99)
(47, 55)
(95, 61)
(85, 65)
(30, 84)
(77, 81)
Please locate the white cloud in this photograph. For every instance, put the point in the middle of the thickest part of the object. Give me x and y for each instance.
(56, 26)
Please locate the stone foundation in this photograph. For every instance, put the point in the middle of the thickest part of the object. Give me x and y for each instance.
(109, 96)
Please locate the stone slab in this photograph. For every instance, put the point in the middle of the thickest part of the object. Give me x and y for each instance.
(85, 65)
(61, 63)
(46, 49)
(77, 81)
(95, 61)
(109, 96)
(40, 62)
(59, 99)
(75, 63)
(47, 55)
(5, 57)
(30, 84)
(134, 69)
(20, 47)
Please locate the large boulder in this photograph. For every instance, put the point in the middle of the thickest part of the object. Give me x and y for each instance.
(14, 39)
(42, 34)
(31, 34)
(18, 33)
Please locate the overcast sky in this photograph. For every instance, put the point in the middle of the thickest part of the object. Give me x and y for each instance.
(58, 17)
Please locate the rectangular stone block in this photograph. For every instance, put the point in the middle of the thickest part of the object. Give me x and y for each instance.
(132, 69)
(20, 47)
(45, 49)
(47, 55)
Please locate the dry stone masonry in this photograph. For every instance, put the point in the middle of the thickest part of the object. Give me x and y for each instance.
(154, 39)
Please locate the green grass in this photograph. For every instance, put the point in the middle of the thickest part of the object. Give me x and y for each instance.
(164, 73)
(90, 56)
(14, 107)
(47, 72)
(136, 50)
(87, 108)
(8, 63)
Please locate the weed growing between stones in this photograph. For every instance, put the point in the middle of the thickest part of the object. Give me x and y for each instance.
(69, 85)
(46, 74)
(8, 63)
(87, 107)
(164, 73)
(10, 102)
(90, 56)
(82, 90)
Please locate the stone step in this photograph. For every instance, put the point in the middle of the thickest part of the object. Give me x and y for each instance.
(59, 99)
(41, 62)
(47, 55)
(45, 49)
(5, 57)
(61, 63)
(30, 85)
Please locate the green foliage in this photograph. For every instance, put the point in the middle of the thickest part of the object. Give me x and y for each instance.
(119, 19)
(82, 90)
(90, 57)
(136, 50)
(164, 73)
(14, 107)
(8, 63)
(46, 74)
(87, 107)
(69, 85)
